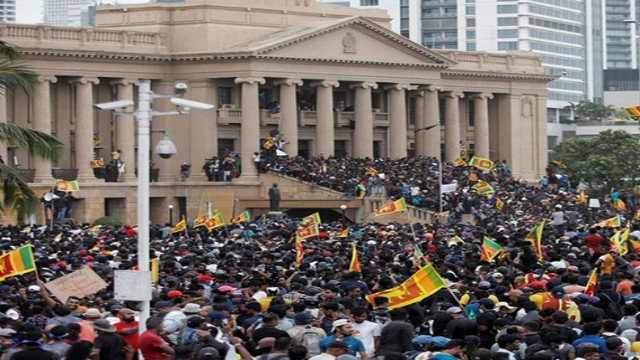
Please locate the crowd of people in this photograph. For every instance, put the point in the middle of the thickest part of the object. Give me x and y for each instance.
(240, 291)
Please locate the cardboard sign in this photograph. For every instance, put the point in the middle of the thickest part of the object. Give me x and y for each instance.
(79, 283)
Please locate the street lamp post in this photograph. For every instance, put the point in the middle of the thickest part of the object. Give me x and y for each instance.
(343, 209)
(165, 149)
(170, 215)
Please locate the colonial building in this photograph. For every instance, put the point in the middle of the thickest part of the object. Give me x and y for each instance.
(345, 85)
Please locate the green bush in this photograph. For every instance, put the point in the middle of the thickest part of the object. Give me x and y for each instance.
(109, 221)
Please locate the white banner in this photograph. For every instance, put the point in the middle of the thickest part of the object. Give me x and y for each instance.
(447, 188)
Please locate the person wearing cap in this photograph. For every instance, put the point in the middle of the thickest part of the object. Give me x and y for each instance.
(87, 330)
(334, 350)
(208, 353)
(453, 350)
(127, 327)
(342, 330)
(57, 343)
(108, 344)
(29, 347)
(152, 346)
(459, 327)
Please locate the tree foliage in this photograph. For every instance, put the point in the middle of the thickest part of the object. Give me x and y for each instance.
(606, 161)
(16, 193)
(589, 110)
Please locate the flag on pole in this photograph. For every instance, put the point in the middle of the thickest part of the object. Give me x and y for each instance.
(481, 163)
(483, 188)
(455, 240)
(422, 284)
(371, 171)
(240, 218)
(299, 252)
(66, 186)
(343, 234)
(473, 177)
(19, 261)
(459, 162)
(490, 249)
(590, 289)
(635, 244)
(499, 204)
(616, 242)
(310, 220)
(581, 198)
(200, 221)
(181, 226)
(612, 222)
(307, 232)
(390, 208)
(215, 221)
(535, 237)
(619, 205)
(559, 164)
(354, 266)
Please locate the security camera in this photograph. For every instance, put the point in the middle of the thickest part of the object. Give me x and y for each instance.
(190, 104)
(166, 148)
(114, 105)
(181, 87)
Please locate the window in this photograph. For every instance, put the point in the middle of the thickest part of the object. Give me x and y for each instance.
(471, 10)
(507, 21)
(471, 22)
(224, 95)
(471, 46)
(471, 34)
(368, 2)
(507, 9)
(507, 45)
(510, 33)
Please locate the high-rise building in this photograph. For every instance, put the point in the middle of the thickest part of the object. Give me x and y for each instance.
(69, 12)
(567, 32)
(8, 10)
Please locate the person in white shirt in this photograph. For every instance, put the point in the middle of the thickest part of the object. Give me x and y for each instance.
(366, 331)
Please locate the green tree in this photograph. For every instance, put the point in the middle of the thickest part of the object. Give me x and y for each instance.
(589, 110)
(16, 193)
(606, 161)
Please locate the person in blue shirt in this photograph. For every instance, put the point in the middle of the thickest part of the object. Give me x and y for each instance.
(342, 331)
(591, 335)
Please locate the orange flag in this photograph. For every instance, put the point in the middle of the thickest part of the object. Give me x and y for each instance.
(355, 263)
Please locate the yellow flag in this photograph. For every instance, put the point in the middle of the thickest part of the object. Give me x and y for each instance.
(181, 226)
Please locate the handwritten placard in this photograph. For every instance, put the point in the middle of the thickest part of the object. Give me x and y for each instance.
(79, 283)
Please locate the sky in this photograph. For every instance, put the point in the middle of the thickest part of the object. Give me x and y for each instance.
(30, 11)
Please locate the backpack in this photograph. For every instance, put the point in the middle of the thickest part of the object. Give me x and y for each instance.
(311, 341)
(612, 309)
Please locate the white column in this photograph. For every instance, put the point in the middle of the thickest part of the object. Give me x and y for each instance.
(84, 126)
(398, 124)
(42, 123)
(481, 124)
(325, 128)
(289, 114)
(250, 127)
(452, 125)
(419, 144)
(431, 138)
(204, 126)
(126, 128)
(363, 133)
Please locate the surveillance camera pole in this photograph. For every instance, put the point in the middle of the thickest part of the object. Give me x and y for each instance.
(143, 117)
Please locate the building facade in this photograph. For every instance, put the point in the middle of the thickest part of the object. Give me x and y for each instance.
(69, 12)
(345, 83)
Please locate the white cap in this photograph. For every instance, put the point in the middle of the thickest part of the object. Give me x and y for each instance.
(34, 288)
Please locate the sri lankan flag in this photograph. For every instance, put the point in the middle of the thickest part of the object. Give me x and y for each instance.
(299, 252)
(481, 163)
(310, 220)
(390, 208)
(200, 221)
(268, 144)
(65, 186)
(455, 240)
(619, 205)
(613, 222)
(240, 218)
(633, 111)
(559, 164)
(354, 266)
(473, 177)
(371, 171)
(422, 284)
(343, 234)
(499, 204)
(616, 242)
(590, 289)
(181, 226)
(490, 249)
(637, 215)
(581, 198)
(635, 244)
(483, 188)
(215, 222)
(459, 162)
(307, 232)
(17, 262)
(535, 237)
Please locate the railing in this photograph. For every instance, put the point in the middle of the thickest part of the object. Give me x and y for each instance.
(380, 119)
(308, 118)
(266, 118)
(344, 118)
(229, 116)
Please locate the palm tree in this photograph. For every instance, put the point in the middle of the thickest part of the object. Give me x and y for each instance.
(16, 193)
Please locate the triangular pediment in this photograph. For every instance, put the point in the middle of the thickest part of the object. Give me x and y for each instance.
(351, 40)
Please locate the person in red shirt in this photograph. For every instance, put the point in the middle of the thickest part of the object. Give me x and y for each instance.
(151, 344)
(128, 328)
(592, 242)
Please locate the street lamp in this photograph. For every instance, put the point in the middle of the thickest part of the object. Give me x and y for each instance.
(343, 209)
(143, 116)
(170, 215)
